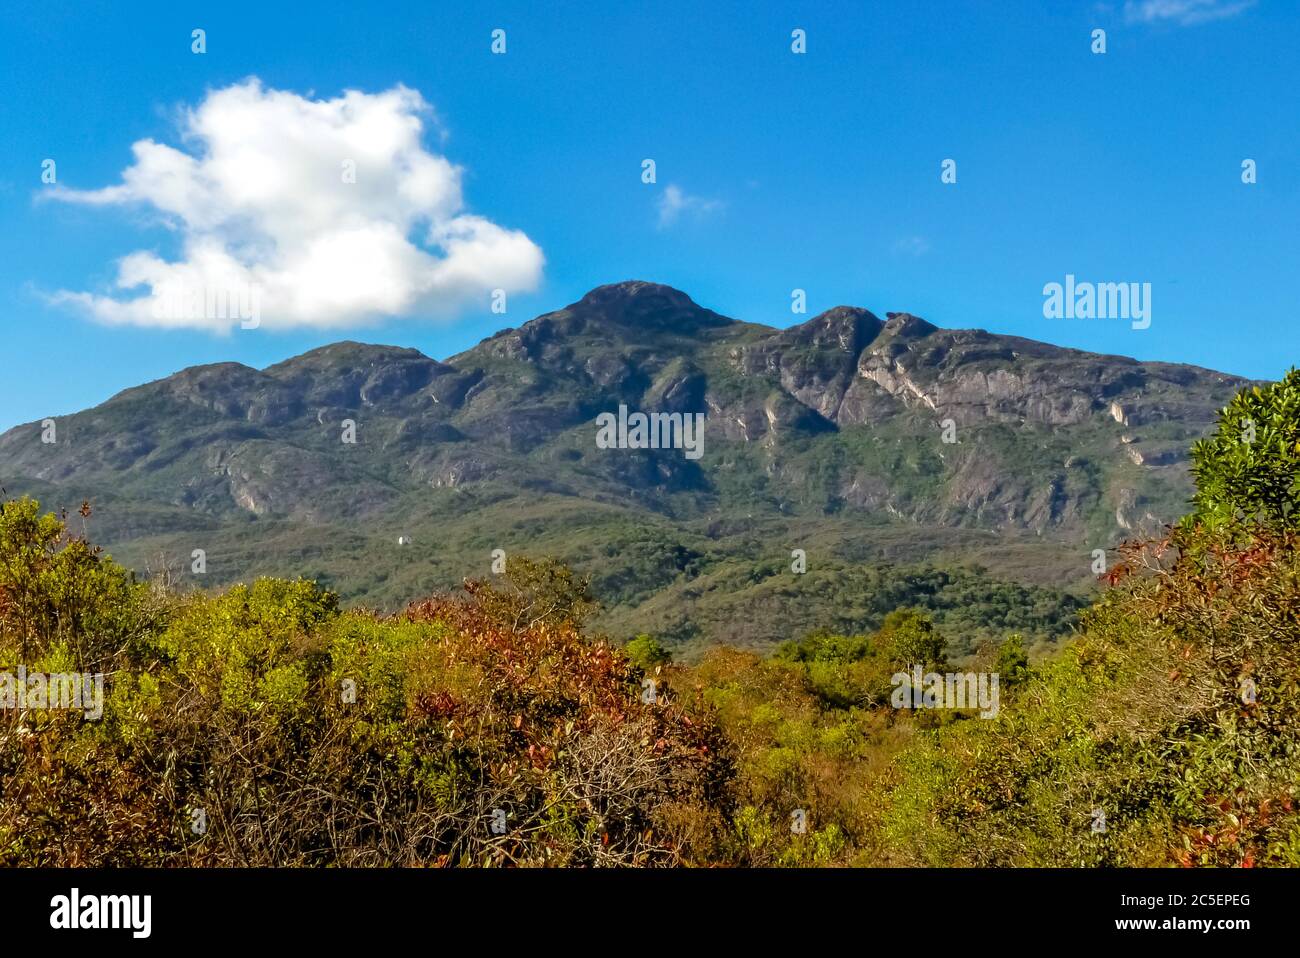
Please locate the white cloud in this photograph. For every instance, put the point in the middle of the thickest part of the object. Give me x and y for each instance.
(1185, 13)
(674, 201)
(259, 198)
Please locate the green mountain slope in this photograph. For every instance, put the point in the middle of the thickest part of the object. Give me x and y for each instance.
(827, 437)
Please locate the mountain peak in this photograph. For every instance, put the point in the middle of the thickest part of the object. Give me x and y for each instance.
(647, 305)
(347, 352)
(851, 326)
(636, 290)
(907, 326)
(845, 312)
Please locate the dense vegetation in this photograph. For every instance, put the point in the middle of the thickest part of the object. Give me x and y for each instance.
(268, 725)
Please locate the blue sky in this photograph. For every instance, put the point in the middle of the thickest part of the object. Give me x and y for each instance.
(818, 171)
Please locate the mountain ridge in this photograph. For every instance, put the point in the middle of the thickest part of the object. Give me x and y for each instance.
(805, 330)
(892, 438)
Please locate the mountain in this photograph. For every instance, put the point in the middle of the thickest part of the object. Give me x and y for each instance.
(828, 436)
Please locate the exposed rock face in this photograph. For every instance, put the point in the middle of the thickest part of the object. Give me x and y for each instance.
(815, 362)
(840, 414)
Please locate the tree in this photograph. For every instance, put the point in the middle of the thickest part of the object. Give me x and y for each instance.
(58, 591)
(910, 638)
(646, 652)
(1012, 664)
(1249, 470)
(825, 646)
(536, 592)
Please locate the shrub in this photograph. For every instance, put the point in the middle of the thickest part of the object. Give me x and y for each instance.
(264, 726)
